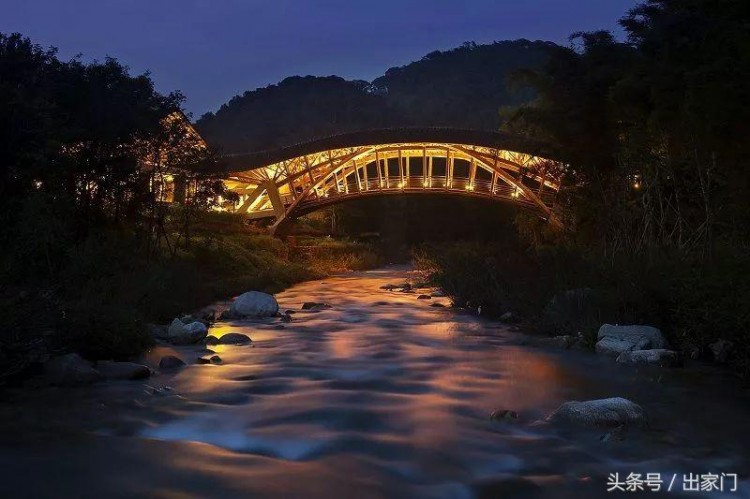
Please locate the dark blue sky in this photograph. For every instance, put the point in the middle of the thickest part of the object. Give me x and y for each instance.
(212, 50)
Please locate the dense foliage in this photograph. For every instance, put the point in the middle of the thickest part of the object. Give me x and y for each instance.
(654, 128)
(656, 196)
(89, 248)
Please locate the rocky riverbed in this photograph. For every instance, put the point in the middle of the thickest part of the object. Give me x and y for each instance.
(365, 391)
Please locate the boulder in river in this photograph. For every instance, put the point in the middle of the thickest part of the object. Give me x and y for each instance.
(71, 370)
(210, 340)
(437, 294)
(610, 412)
(234, 339)
(503, 415)
(188, 318)
(180, 333)
(214, 359)
(437, 304)
(254, 304)
(171, 362)
(123, 370)
(424, 297)
(315, 306)
(613, 340)
(615, 435)
(655, 357)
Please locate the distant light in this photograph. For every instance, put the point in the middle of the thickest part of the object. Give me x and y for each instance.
(636, 185)
(400, 185)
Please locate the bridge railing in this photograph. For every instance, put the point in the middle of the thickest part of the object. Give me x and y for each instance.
(480, 187)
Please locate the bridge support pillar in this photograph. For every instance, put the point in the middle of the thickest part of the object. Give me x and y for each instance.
(251, 200)
(273, 195)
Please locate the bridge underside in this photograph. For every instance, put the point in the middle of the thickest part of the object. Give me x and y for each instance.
(301, 184)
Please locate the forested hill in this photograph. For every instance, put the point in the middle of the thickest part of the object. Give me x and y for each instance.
(462, 87)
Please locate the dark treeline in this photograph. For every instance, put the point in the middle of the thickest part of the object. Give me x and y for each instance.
(90, 248)
(654, 130)
(463, 87)
(82, 146)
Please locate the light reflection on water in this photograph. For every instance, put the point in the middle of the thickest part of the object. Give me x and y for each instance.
(384, 395)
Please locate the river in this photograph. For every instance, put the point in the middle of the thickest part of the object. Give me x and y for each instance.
(383, 395)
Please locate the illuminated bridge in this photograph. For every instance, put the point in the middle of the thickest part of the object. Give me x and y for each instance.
(291, 181)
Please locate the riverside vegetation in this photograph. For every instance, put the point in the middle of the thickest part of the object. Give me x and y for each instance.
(107, 290)
(90, 250)
(652, 129)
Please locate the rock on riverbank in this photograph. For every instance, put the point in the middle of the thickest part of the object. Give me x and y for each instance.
(656, 357)
(252, 304)
(180, 333)
(614, 340)
(608, 412)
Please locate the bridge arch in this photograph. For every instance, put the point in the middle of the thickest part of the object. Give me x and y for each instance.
(284, 183)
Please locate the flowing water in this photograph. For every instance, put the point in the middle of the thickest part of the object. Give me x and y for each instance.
(383, 395)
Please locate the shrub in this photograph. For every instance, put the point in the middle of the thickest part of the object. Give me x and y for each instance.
(326, 255)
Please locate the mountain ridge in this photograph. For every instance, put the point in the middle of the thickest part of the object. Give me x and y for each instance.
(463, 87)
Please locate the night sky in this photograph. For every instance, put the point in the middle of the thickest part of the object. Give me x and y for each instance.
(214, 49)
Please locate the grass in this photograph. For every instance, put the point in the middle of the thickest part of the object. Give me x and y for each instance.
(325, 255)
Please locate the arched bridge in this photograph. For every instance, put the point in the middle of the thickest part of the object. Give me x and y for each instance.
(291, 181)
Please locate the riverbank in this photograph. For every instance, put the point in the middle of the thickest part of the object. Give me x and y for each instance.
(101, 301)
(701, 307)
(381, 395)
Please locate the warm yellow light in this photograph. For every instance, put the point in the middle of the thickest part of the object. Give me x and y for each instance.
(400, 185)
(636, 185)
